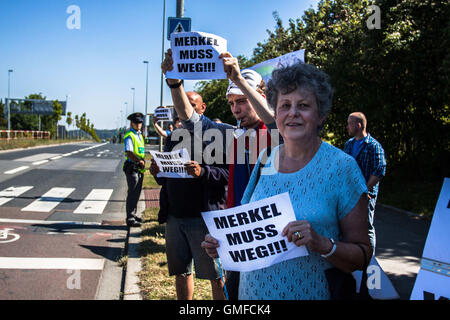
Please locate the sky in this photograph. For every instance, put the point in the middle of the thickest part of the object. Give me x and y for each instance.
(96, 65)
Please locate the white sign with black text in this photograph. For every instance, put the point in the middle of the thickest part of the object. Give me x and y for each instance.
(196, 56)
(249, 236)
(163, 114)
(171, 164)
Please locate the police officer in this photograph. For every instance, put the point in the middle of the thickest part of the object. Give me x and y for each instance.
(134, 166)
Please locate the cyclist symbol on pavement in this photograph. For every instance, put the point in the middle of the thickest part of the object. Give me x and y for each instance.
(6, 236)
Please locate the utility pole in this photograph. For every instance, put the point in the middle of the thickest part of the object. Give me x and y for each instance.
(162, 52)
(134, 91)
(162, 59)
(146, 97)
(180, 8)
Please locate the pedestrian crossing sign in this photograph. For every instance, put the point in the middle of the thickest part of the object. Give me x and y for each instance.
(178, 25)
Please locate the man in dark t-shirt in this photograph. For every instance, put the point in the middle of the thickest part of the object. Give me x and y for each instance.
(181, 204)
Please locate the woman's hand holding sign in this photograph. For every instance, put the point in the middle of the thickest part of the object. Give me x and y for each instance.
(210, 245)
(301, 233)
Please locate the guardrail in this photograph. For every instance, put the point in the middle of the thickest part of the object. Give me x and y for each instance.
(24, 134)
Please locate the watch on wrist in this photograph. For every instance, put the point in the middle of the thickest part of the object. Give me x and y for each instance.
(175, 85)
(332, 249)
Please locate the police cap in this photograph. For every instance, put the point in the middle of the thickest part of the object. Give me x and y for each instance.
(136, 117)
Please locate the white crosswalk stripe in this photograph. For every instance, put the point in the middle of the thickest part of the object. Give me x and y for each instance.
(50, 200)
(51, 263)
(95, 202)
(12, 192)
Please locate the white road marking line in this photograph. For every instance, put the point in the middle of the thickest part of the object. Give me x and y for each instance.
(101, 152)
(38, 157)
(56, 158)
(39, 162)
(95, 202)
(16, 170)
(51, 263)
(11, 193)
(47, 222)
(62, 233)
(50, 200)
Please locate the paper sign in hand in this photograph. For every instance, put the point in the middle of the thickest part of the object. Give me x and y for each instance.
(250, 235)
(163, 114)
(171, 164)
(195, 56)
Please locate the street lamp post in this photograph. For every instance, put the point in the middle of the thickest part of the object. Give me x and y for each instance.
(146, 98)
(133, 97)
(162, 75)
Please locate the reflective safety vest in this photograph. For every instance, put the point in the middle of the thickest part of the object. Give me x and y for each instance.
(138, 146)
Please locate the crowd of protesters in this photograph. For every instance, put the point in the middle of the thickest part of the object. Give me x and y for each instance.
(333, 192)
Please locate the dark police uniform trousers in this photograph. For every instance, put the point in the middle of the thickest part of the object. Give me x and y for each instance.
(134, 182)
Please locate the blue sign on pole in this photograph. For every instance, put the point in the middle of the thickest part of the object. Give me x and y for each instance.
(178, 25)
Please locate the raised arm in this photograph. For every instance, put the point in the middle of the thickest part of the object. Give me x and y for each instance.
(158, 129)
(258, 101)
(180, 100)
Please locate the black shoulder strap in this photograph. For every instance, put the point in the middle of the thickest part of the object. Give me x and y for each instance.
(261, 165)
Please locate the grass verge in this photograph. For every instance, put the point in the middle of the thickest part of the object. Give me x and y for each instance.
(149, 181)
(27, 143)
(155, 282)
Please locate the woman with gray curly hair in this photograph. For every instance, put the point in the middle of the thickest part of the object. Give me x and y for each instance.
(325, 185)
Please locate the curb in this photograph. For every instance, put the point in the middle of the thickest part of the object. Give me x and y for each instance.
(404, 212)
(42, 146)
(133, 267)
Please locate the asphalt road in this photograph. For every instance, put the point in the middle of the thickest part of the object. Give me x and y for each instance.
(62, 222)
(399, 248)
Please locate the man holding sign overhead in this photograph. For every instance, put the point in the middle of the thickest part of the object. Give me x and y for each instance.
(245, 95)
(188, 189)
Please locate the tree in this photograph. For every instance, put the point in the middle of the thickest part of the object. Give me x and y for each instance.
(3, 120)
(69, 120)
(397, 75)
(57, 112)
(26, 121)
(77, 124)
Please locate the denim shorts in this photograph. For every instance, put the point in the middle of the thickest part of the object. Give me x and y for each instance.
(183, 239)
